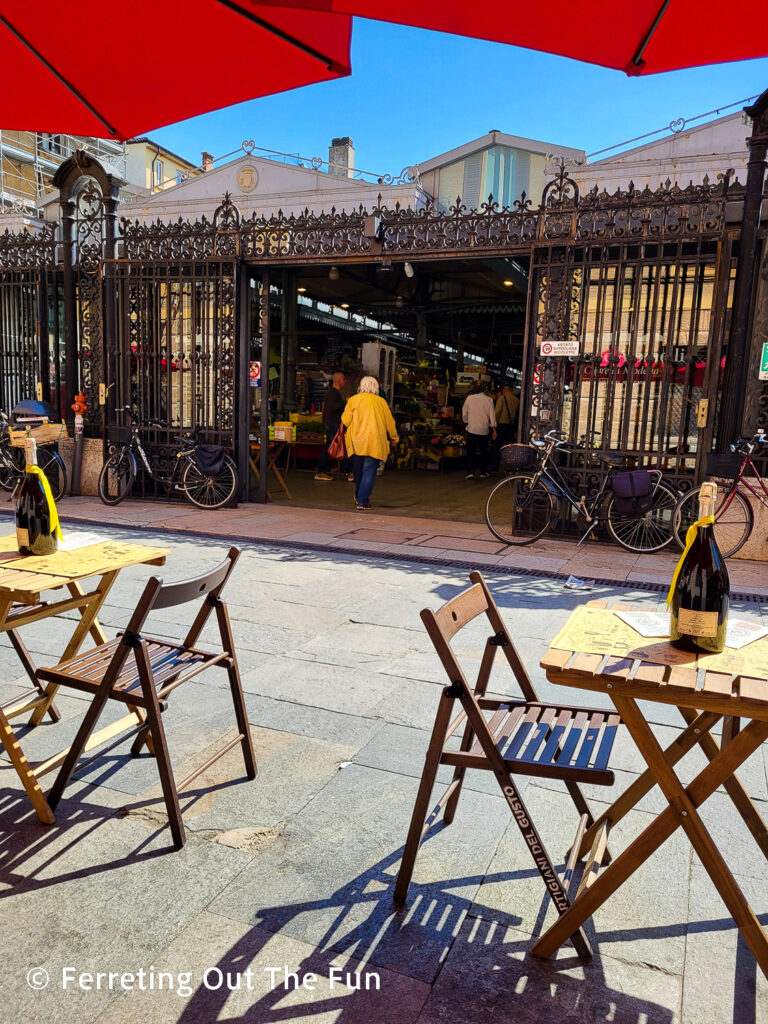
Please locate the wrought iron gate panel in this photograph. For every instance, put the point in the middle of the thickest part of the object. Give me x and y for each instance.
(756, 406)
(174, 352)
(643, 316)
(19, 356)
(90, 236)
(30, 329)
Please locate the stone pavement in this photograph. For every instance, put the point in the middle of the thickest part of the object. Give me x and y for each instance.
(294, 870)
(425, 540)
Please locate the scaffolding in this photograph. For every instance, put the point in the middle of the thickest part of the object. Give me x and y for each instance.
(29, 160)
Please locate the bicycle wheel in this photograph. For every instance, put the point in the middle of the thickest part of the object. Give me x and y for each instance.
(210, 491)
(11, 466)
(650, 531)
(733, 519)
(519, 509)
(51, 464)
(117, 476)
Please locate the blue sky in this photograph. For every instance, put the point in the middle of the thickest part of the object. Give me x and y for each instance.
(414, 94)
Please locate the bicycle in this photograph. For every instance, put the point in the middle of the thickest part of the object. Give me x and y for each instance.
(12, 463)
(522, 506)
(208, 486)
(734, 517)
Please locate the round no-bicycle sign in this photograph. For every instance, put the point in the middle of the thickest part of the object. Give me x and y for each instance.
(551, 347)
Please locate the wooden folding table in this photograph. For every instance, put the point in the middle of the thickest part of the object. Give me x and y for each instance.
(597, 651)
(22, 582)
(274, 450)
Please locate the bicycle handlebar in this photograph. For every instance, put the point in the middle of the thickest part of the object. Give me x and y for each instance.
(135, 421)
(749, 443)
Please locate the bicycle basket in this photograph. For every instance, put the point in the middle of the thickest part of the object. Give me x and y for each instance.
(209, 458)
(724, 465)
(516, 457)
(119, 435)
(632, 492)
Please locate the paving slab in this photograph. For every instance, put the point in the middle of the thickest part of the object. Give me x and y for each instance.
(489, 977)
(244, 978)
(287, 888)
(123, 905)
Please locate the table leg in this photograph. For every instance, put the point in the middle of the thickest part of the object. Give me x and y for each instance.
(273, 466)
(699, 726)
(88, 623)
(733, 786)
(702, 787)
(21, 649)
(24, 771)
(695, 828)
(255, 468)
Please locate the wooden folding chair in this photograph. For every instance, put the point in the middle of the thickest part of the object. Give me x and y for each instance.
(521, 737)
(142, 671)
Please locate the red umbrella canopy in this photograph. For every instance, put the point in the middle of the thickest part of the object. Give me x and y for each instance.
(639, 37)
(119, 69)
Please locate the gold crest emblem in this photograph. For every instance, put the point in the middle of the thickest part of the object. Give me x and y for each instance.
(247, 178)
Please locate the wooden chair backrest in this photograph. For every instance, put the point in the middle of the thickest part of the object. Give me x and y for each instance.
(443, 624)
(159, 595)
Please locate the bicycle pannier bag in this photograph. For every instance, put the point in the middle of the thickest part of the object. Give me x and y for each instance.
(633, 492)
(337, 448)
(209, 458)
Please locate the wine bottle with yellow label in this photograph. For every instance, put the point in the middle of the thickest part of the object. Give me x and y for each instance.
(700, 590)
(37, 520)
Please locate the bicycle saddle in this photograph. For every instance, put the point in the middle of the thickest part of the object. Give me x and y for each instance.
(610, 460)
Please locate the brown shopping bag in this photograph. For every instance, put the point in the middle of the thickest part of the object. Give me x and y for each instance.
(337, 449)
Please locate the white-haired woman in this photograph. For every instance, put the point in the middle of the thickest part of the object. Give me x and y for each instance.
(370, 431)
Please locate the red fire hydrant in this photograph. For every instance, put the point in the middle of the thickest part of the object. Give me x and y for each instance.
(79, 408)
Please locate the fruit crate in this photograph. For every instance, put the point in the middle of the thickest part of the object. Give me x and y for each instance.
(43, 433)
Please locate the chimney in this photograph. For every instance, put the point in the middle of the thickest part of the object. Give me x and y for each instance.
(207, 161)
(341, 157)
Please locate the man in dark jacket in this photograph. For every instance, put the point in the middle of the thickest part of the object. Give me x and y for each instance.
(333, 407)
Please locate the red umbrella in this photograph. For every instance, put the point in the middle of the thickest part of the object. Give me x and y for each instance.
(121, 69)
(637, 36)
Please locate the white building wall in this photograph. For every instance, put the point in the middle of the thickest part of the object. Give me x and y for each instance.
(709, 149)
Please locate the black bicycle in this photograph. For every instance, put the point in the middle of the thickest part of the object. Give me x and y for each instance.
(523, 506)
(12, 463)
(205, 473)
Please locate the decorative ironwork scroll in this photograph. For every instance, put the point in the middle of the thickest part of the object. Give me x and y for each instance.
(28, 249)
(89, 229)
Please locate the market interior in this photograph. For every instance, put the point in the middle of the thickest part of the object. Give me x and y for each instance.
(428, 330)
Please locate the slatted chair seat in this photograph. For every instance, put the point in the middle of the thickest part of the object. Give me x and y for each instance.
(141, 671)
(510, 736)
(171, 665)
(544, 740)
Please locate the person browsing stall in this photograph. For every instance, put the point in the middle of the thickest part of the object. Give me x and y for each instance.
(507, 405)
(479, 415)
(333, 407)
(370, 431)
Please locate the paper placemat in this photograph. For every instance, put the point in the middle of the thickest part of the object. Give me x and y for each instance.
(601, 631)
(89, 560)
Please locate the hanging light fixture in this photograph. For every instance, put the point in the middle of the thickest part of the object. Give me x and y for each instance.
(408, 268)
(333, 274)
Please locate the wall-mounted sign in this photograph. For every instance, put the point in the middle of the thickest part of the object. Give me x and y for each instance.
(254, 375)
(763, 374)
(551, 347)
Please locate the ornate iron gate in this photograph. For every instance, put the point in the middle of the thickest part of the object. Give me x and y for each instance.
(31, 321)
(174, 352)
(643, 300)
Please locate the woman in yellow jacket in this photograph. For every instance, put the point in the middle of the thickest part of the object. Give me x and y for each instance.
(370, 430)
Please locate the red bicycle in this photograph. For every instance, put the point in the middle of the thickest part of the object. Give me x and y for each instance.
(734, 518)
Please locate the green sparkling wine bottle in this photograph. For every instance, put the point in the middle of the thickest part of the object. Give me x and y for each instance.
(37, 522)
(699, 602)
